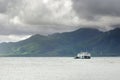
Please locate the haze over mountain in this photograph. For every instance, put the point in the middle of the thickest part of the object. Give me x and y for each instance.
(66, 44)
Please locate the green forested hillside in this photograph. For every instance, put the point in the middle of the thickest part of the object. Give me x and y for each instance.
(66, 44)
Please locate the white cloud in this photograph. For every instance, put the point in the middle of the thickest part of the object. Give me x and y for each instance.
(44, 12)
(12, 38)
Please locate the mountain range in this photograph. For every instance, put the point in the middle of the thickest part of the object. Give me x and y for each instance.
(66, 44)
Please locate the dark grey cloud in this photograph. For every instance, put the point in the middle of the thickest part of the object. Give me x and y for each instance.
(92, 9)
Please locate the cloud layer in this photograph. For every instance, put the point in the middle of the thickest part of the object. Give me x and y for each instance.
(27, 17)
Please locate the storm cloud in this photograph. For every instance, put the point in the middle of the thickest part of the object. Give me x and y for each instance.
(28, 17)
(95, 8)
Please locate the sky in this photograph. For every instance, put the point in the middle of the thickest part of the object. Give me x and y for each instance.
(19, 19)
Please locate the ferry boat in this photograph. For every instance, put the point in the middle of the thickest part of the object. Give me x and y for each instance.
(83, 55)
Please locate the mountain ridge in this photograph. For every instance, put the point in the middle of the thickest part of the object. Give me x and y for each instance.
(96, 42)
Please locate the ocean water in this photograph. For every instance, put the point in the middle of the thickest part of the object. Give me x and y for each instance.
(56, 68)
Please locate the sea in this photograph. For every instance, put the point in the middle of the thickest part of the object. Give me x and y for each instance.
(59, 68)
